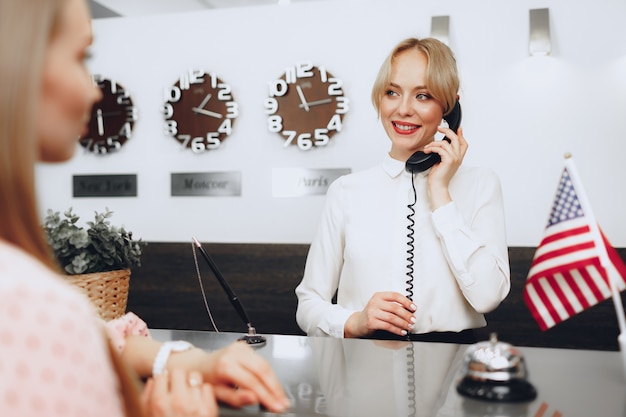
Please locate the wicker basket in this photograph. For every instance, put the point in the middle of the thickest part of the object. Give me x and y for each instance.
(108, 291)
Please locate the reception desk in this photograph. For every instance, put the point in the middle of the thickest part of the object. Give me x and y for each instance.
(354, 377)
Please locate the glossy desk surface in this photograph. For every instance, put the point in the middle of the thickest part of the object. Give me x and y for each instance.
(354, 377)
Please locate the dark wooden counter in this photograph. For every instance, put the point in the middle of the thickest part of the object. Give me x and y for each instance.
(165, 291)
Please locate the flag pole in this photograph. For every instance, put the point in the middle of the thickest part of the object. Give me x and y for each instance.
(599, 242)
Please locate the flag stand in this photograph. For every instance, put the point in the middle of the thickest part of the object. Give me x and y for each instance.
(604, 257)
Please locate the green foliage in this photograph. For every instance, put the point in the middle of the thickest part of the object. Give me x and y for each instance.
(100, 248)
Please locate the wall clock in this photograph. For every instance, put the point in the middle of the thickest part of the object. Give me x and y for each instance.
(199, 111)
(112, 119)
(306, 106)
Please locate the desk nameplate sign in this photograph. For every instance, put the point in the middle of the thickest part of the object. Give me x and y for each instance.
(298, 182)
(211, 184)
(117, 185)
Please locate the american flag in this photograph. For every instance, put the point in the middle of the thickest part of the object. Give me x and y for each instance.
(566, 275)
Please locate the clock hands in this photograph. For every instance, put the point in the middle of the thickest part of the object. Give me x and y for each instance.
(201, 110)
(207, 112)
(316, 102)
(302, 99)
(100, 122)
(100, 119)
(307, 105)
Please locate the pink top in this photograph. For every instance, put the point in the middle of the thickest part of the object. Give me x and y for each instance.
(53, 355)
(127, 325)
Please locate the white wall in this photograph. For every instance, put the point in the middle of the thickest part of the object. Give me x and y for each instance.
(521, 113)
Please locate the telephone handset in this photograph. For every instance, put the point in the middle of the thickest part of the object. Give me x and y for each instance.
(421, 161)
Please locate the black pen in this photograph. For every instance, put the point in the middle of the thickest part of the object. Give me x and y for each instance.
(251, 337)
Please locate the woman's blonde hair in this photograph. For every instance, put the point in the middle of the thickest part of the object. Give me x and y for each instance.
(442, 77)
(26, 28)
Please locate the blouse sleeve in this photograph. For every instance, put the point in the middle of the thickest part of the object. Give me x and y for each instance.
(127, 325)
(315, 313)
(474, 243)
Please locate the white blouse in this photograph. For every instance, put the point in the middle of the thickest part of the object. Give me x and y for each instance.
(460, 254)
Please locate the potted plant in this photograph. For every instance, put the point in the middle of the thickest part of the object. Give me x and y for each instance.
(97, 259)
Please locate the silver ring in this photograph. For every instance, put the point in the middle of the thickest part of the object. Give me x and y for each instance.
(194, 382)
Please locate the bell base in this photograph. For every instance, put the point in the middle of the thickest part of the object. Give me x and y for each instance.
(501, 391)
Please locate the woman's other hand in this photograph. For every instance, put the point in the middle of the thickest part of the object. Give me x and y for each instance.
(179, 393)
(242, 377)
(390, 311)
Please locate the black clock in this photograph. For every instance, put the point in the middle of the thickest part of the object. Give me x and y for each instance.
(199, 111)
(112, 119)
(306, 106)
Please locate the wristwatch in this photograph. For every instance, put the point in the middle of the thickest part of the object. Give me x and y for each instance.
(164, 353)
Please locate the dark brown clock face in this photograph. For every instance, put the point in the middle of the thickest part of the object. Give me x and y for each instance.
(112, 119)
(306, 106)
(200, 111)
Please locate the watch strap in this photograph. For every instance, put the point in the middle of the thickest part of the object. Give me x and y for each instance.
(158, 367)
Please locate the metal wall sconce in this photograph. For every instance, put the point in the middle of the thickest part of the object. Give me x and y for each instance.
(539, 35)
(440, 28)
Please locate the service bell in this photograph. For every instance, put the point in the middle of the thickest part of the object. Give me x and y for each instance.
(495, 371)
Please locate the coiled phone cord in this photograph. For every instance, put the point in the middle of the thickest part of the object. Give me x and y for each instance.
(410, 371)
(411, 242)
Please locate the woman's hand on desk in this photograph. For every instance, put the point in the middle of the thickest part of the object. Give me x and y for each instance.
(178, 393)
(239, 376)
(242, 377)
(390, 311)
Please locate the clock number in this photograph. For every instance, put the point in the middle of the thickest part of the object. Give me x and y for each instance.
(213, 140)
(100, 148)
(275, 123)
(271, 105)
(290, 134)
(321, 137)
(226, 127)
(232, 110)
(113, 144)
(304, 141)
(171, 127)
(168, 110)
(112, 85)
(335, 123)
(301, 70)
(172, 94)
(126, 130)
(213, 78)
(278, 88)
(184, 140)
(323, 74)
(123, 98)
(104, 147)
(224, 92)
(198, 144)
(290, 75)
(304, 69)
(334, 87)
(131, 114)
(191, 77)
(343, 105)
